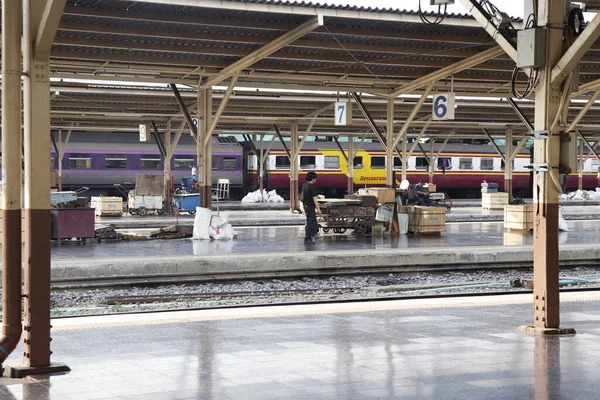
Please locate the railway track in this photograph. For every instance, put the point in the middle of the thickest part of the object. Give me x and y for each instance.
(103, 282)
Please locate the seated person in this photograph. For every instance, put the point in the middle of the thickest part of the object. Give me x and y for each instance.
(422, 195)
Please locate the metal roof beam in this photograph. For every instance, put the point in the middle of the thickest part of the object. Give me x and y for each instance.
(264, 51)
(49, 23)
(520, 114)
(494, 144)
(474, 9)
(574, 54)
(412, 115)
(584, 110)
(449, 70)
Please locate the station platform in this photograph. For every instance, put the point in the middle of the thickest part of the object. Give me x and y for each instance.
(282, 250)
(451, 348)
(284, 217)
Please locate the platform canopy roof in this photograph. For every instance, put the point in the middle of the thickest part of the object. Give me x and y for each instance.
(112, 61)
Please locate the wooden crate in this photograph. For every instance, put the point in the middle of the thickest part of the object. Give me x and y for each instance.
(494, 201)
(384, 195)
(518, 217)
(427, 220)
(107, 206)
(431, 187)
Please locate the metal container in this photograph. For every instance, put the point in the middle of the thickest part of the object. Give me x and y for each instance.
(70, 223)
(186, 202)
(62, 197)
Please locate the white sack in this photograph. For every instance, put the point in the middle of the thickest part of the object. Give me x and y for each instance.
(202, 223)
(562, 223)
(220, 229)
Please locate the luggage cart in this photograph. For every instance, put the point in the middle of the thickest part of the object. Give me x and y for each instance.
(340, 215)
(441, 200)
(140, 205)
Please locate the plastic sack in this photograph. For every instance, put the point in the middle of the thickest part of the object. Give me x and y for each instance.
(220, 229)
(201, 224)
(562, 223)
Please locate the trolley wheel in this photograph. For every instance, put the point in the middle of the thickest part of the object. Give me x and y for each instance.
(132, 211)
(360, 228)
(326, 230)
(142, 211)
(192, 212)
(339, 230)
(160, 211)
(448, 208)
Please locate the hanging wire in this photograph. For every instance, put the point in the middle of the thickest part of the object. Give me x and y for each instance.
(533, 79)
(441, 14)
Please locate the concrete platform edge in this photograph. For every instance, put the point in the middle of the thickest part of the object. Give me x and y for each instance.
(321, 261)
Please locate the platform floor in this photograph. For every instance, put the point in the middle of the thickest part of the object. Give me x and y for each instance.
(459, 348)
(290, 239)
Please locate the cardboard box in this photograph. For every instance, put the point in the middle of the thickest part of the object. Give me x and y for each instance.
(431, 187)
(518, 217)
(383, 195)
(427, 220)
(494, 201)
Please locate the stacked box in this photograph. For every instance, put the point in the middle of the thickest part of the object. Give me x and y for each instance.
(107, 206)
(494, 201)
(518, 217)
(427, 220)
(383, 195)
(431, 188)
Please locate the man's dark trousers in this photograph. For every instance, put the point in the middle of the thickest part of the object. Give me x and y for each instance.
(311, 220)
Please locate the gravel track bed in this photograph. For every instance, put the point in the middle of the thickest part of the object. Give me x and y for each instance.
(94, 301)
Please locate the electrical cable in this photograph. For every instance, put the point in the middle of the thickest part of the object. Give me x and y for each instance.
(441, 14)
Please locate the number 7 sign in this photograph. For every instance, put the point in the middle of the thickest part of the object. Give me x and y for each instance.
(343, 113)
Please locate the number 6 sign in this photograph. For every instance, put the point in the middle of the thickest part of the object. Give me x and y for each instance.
(443, 106)
(343, 113)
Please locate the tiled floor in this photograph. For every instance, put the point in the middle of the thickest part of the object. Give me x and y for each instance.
(426, 349)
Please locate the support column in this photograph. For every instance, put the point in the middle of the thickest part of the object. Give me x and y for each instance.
(389, 155)
(261, 167)
(580, 162)
(294, 168)
(432, 160)
(404, 158)
(204, 146)
(40, 20)
(12, 177)
(350, 164)
(167, 181)
(508, 164)
(546, 185)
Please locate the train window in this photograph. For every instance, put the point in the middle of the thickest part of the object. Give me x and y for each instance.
(150, 162)
(229, 163)
(282, 162)
(377, 162)
(332, 162)
(444, 163)
(357, 163)
(80, 161)
(397, 163)
(114, 161)
(502, 164)
(184, 162)
(595, 164)
(215, 162)
(308, 162)
(486, 164)
(421, 163)
(465, 163)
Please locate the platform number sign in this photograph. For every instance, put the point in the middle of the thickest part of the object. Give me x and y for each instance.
(443, 106)
(195, 122)
(143, 133)
(343, 113)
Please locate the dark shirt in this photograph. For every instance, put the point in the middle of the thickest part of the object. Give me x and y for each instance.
(308, 192)
(418, 189)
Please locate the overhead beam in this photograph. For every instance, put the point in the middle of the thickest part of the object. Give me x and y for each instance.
(184, 110)
(159, 142)
(449, 70)
(475, 9)
(585, 109)
(49, 23)
(267, 49)
(335, 139)
(412, 115)
(592, 148)
(574, 54)
(287, 151)
(520, 114)
(494, 144)
(221, 108)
